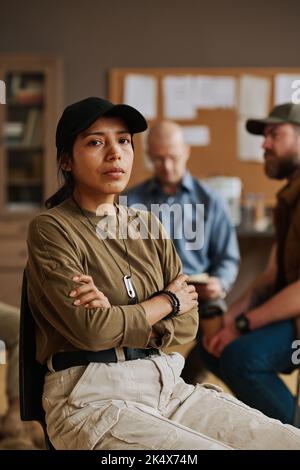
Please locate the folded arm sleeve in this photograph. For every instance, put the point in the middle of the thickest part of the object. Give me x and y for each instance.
(53, 261)
(182, 328)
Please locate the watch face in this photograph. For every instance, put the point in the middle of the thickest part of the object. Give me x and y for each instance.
(242, 324)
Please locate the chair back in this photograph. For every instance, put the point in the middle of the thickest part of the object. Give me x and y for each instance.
(31, 372)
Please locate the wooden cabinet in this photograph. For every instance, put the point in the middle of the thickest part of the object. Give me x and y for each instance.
(13, 257)
(28, 174)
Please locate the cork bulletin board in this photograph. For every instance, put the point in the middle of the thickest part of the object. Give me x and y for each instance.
(220, 156)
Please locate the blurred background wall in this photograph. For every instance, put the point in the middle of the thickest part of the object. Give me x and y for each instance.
(93, 36)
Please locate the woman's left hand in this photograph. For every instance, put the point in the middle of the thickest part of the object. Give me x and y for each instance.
(88, 294)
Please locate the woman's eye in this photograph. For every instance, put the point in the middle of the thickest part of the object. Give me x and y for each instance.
(94, 143)
(124, 140)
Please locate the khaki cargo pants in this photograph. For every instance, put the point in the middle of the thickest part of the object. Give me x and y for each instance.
(144, 404)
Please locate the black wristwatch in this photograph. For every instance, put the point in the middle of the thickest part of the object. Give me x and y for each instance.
(242, 324)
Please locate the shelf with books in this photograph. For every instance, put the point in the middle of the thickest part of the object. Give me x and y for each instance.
(24, 127)
(28, 174)
(23, 206)
(25, 88)
(24, 169)
(25, 194)
(16, 147)
(24, 137)
(13, 103)
(25, 182)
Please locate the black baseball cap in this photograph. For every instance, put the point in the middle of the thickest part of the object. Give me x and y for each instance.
(287, 113)
(80, 115)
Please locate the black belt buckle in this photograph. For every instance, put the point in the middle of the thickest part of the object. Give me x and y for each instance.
(135, 353)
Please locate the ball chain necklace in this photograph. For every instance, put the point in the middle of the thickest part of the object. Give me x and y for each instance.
(127, 278)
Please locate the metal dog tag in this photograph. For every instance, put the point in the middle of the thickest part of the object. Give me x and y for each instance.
(129, 287)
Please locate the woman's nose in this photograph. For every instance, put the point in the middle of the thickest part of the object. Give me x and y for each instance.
(113, 155)
(113, 152)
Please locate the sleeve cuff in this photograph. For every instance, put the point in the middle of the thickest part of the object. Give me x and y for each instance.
(137, 329)
(164, 331)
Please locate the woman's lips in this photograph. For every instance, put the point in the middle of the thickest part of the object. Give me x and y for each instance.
(114, 173)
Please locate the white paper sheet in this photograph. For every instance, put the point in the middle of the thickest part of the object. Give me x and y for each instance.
(254, 96)
(229, 189)
(283, 88)
(140, 91)
(249, 145)
(2, 352)
(178, 97)
(214, 92)
(2, 92)
(197, 136)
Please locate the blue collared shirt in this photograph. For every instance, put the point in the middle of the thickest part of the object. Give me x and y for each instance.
(218, 254)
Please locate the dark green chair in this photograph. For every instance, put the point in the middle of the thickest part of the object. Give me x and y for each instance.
(31, 372)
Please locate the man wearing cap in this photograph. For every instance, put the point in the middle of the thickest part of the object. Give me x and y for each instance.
(256, 342)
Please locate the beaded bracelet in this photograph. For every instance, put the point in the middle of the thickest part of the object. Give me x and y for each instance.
(175, 303)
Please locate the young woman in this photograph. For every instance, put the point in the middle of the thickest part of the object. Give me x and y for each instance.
(107, 295)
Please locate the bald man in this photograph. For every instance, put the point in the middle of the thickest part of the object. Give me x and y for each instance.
(217, 252)
(173, 187)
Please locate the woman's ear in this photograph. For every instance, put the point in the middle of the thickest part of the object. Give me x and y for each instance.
(65, 162)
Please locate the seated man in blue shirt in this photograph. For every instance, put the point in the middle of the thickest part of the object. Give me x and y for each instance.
(172, 187)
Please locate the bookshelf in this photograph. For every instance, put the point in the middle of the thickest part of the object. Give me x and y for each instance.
(27, 156)
(23, 136)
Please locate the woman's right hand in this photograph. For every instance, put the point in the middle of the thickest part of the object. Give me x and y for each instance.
(88, 294)
(186, 293)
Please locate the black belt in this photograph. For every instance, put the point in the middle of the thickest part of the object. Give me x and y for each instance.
(64, 360)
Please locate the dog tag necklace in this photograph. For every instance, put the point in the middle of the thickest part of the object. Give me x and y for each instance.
(127, 278)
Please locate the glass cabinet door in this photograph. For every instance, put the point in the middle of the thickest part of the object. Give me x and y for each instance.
(24, 140)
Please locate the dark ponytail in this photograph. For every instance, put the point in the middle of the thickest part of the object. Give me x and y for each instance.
(67, 188)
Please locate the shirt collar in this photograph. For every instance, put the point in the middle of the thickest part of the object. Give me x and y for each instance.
(186, 183)
(290, 192)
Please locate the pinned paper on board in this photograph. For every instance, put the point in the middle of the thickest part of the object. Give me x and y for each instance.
(196, 136)
(140, 91)
(285, 88)
(214, 92)
(249, 145)
(254, 96)
(2, 92)
(178, 97)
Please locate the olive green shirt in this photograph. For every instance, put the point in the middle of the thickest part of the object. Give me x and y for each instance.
(62, 242)
(287, 224)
